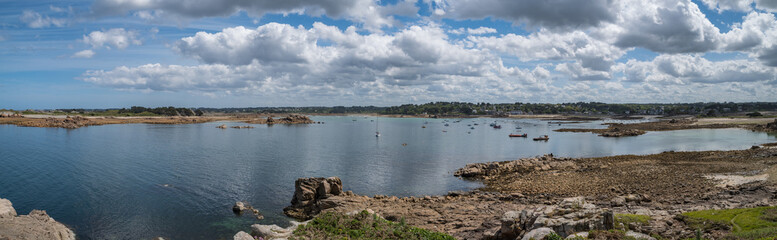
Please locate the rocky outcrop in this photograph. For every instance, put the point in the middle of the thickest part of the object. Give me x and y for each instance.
(294, 118)
(269, 232)
(36, 225)
(222, 126)
(240, 207)
(6, 209)
(769, 127)
(10, 115)
(290, 119)
(571, 216)
(67, 122)
(544, 163)
(538, 233)
(619, 132)
(310, 195)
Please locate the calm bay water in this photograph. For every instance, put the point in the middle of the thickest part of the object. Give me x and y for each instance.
(141, 181)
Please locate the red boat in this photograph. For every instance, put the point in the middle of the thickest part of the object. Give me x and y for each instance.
(518, 135)
(497, 126)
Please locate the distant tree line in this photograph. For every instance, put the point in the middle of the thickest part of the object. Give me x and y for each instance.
(324, 110)
(164, 111)
(464, 108)
(135, 110)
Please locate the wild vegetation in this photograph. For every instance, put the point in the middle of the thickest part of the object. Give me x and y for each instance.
(744, 223)
(363, 225)
(631, 219)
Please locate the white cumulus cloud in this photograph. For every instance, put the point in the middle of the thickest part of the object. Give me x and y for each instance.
(34, 19)
(116, 38)
(84, 54)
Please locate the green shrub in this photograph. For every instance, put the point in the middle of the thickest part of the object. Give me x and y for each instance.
(553, 236)
(361, 226)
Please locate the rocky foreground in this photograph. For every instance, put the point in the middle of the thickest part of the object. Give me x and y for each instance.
(36, 225)
(531, 197)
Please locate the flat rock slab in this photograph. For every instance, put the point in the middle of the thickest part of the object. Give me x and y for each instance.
(36, 225)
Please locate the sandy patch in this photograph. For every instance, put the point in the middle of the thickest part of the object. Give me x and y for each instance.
(706, 121)
(727, 180)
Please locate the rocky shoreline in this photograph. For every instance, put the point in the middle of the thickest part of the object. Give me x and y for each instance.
(35, 225)
(636, 129)
(566, 196)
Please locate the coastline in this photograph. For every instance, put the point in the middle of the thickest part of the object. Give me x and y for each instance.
(678, 182)
(66, 121)
(636, 129)
(659, 187)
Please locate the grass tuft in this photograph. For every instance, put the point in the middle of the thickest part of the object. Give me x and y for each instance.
(363, 225)
(744, 223)
(636, 219)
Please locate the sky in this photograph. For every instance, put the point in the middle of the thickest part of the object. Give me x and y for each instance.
(241, 53)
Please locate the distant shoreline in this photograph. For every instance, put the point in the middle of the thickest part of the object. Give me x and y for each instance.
(614, 129)
(71, 122)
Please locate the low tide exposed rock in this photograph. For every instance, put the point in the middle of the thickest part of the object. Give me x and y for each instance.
(240, 207)
(10, 115)
(67, 122)
(544, 163)
(270, 232)
(571, 216)
(294, 118)
(769, 127)
(538, 233)
(618, 132)
(222, 126)
(290, 119)
(36, 225)
(310, 196)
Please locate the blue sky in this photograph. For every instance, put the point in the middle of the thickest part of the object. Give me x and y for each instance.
(111, 53)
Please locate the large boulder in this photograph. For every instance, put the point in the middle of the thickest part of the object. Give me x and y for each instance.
(36, 225)
(571, 216)
(537, 234)
(639, 236)
(243, 236)
(310, 196)
(239, 207)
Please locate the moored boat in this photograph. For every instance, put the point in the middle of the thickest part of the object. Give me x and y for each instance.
(542, 138)
(518, 135)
